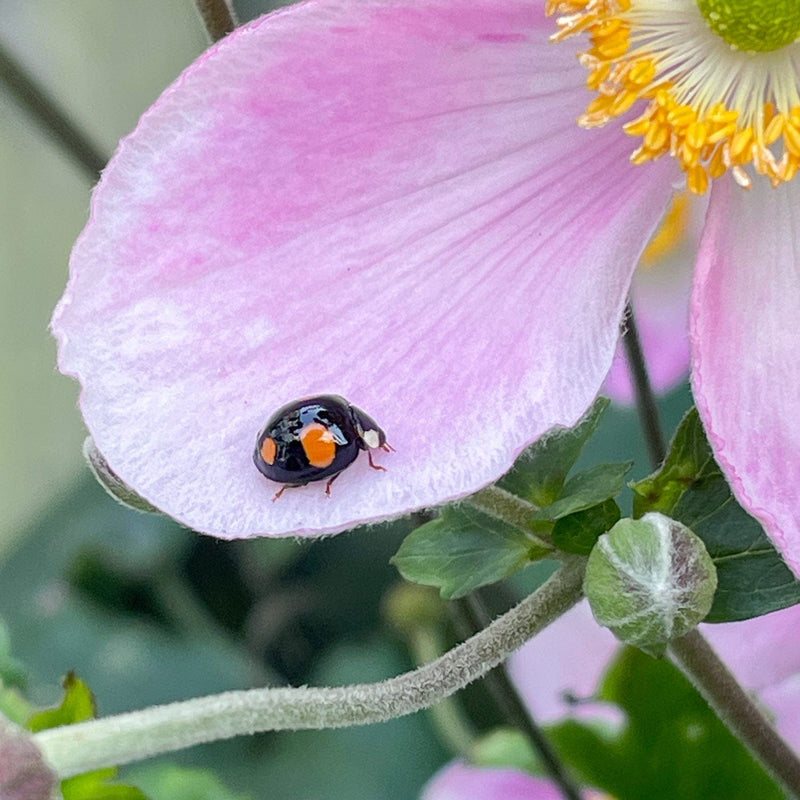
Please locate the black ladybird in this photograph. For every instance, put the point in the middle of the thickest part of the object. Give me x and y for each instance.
(315, 438)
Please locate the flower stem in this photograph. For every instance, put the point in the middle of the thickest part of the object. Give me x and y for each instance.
(52, 118)
(692, 652)
(735, 708)
(111, 741)
(218, 17)
(645, 396)
(452, 725)
(475, 616)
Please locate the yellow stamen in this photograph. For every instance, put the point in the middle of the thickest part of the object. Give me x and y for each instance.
(671, 233)
(714, 111)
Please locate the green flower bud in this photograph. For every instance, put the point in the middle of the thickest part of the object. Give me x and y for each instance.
(650, 580)
(109, 480)
(408, 607)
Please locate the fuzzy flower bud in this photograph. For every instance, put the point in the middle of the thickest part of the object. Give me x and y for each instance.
(650, 580)
(23, 772)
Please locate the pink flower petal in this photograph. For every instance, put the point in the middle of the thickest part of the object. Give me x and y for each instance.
(459, 781)
(660, 297)
(782, 701)
(565, 661)
(746, 350)
(763, 651)
(388, 200)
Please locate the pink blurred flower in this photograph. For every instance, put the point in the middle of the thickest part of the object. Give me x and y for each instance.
(459, 781)
(558, 672)
(391, 200)
(567, 661)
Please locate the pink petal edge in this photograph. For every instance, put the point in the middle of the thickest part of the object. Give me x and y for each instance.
(746, 351)
(386, 200)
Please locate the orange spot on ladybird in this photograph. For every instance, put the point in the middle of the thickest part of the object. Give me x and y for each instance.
(318, 444)
(268, 450)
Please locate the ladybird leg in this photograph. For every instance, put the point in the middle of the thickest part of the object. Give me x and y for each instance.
(372, 463)
(280, 491)
(388, 448)
(328, 484)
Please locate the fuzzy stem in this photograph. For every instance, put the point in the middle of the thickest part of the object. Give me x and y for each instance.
(218, 17)
(110, 741)
(735, 708)
(692, 652)
(50, 116)
(509, 508)
(474, 615)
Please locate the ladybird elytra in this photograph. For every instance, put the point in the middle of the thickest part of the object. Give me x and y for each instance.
(268, 450)
(315, 438)
(318, 445)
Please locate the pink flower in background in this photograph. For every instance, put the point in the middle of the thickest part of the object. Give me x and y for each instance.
(460, 781)
(567, 661)
(392, 201)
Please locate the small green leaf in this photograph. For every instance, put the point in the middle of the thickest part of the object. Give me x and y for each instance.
(94, 786)
(77, 706)
(463, 549)
(587, 489)
(690, 487)
(12, 673)
(672, 744)
(541, 470)
(578, 532)
(174, 782)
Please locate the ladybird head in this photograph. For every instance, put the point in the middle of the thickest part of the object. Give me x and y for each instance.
(370, 434)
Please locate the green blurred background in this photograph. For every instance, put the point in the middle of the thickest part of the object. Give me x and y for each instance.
(144, 611)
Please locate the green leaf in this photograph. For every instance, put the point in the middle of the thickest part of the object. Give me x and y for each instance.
(94, 786)
(173, 782)
(671, 746)
(587, 489)
(690, 487)
(463, 549)
(540, 472)
(77, 706)
(12, 673)
(578, 532)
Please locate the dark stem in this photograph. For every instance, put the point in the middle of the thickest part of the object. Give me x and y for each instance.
(734, 706)
(692, 652)
(47, 113)
(218, 17)
(471, 615)
(645, 397)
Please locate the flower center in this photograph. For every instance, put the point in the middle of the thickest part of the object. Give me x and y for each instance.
(753, 24)
(712, 100)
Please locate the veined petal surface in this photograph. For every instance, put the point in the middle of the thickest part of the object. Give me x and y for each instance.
(387, 200)
(746, 351)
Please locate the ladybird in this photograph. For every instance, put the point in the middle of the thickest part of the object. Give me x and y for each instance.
(313, 439)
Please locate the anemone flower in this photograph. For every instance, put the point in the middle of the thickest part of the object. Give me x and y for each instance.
(391, 200)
